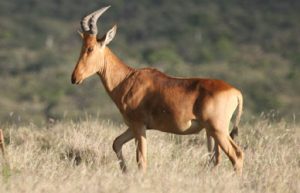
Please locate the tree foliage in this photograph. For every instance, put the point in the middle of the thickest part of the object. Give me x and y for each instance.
(253, 45)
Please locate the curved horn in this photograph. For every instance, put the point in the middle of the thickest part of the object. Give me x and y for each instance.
(84, 23)
(89, 22)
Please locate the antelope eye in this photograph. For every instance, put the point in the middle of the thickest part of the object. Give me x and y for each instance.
(90, 49)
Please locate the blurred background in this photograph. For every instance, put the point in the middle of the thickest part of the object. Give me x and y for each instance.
(254, 45)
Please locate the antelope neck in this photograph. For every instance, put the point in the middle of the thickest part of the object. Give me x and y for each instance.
(113, 73)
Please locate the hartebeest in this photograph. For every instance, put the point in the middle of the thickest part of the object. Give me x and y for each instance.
(150, 99)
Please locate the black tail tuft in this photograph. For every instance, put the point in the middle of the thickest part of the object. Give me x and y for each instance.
(234, 132)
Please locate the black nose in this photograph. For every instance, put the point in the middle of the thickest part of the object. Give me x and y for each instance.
(73, 79)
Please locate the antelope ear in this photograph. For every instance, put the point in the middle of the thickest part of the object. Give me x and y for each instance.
(80, 33)
(109, 36)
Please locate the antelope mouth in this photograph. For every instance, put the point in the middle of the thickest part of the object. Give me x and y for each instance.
(74, 81)
(79, 82)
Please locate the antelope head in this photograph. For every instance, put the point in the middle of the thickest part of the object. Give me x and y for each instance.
(91, 59)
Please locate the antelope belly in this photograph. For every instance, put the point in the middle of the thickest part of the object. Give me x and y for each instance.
(190, 127)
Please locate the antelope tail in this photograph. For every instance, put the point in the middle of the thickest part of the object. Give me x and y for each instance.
(235, 130)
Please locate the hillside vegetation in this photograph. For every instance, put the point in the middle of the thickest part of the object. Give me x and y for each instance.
(78, 157)
(253, 45)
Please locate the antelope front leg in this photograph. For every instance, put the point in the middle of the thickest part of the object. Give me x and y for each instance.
(117, 147)
(141, 150)
(210, 147)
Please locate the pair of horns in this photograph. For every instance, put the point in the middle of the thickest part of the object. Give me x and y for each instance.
(89, 22)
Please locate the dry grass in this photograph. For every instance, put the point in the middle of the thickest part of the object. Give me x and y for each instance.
(78, 157)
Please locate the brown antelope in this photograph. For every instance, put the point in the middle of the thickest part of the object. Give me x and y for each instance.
(149, 99)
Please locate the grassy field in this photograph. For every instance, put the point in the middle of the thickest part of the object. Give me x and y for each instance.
(78, 157)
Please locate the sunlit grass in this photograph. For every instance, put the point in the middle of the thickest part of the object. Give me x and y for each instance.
(78, 157)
